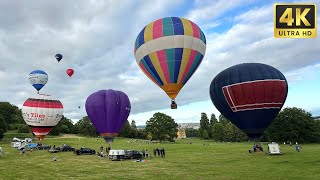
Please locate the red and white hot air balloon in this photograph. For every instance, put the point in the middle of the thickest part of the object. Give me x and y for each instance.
(42, 113)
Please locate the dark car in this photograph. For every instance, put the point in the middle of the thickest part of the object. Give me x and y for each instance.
(65, 147)
(43, 147)
(132, 154)
(84, 150)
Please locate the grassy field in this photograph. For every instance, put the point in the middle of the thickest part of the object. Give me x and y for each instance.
(182, 161)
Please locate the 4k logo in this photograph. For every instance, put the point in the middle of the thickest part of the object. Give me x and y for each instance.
(295, 21)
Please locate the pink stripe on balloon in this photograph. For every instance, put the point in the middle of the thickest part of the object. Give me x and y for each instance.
(147, 73)
(195, 29)
(157, 29)
(189, 64)
(164, 64)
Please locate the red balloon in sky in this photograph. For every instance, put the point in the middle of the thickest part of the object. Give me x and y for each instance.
(70, 72)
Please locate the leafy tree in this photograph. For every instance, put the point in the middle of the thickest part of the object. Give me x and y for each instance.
(55, 131)
(162, 127)
(7, 111)
(86, 128)
(134, 132)
(293, 124)
(190, 132)
(218, 132)
(223, 120)
(64, 129)
(126, 130)
(65, 122)
(141, 134)
(23, 128)
(205, 134)
(2, 126)
(213, 120)
(204, 124)
(229, 134)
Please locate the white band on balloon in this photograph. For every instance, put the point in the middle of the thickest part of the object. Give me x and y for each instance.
(168, 42)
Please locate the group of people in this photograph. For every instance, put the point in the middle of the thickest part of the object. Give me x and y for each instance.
(158, 151)
(100, 154)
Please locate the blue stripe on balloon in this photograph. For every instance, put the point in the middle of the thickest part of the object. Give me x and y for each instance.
(177, 63)
(154, 71)
(38, 72)
(141, 37)
(38, 86)
(194, 66)
(178, 26)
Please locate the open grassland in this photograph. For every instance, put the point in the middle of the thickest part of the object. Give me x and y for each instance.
(182, 161)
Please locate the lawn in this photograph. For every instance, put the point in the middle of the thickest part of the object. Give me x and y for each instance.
(182, 161)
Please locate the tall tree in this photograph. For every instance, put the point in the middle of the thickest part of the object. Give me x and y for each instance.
(223, 120)
(213, 120)
(2, 126)
(133, 129)
(204, 124)
(218, 132)
(86, 128)
(162, 127)
(126, 130)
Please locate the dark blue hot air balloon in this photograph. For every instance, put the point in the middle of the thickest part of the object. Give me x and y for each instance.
(108, 111)
(250, 95)
(58, 57)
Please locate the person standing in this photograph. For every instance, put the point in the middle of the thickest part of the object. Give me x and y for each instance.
(163, 152)
(147, 154)
(154, 152)
(158, 151)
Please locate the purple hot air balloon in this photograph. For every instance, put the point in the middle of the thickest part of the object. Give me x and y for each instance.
(108, 110)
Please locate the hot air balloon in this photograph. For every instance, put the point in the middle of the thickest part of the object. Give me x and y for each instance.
(169, 51)
(38, 79)
(70, 72)
(58, 57)
(42, 113)
(108, 111)
(250, 95)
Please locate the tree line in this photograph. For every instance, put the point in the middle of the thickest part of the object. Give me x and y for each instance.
(291, 124)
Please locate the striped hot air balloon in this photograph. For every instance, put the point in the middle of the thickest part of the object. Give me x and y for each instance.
(38, 79)
(169, 51)
(42, 113)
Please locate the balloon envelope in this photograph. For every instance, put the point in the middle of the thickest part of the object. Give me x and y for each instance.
(42, 113)
(70, 72)
(58, 57)
(108, 110)
(38, 79)
(168, 51)
(250, 95)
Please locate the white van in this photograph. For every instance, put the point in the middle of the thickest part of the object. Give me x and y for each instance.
(274, 149)
(116, 155)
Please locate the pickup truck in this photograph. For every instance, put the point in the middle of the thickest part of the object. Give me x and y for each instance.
(65, 147)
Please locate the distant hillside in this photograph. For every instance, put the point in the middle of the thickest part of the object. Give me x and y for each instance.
(316, 117)
(141, 126)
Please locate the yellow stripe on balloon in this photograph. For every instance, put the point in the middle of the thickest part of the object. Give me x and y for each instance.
(155, 62)
(184, 62)
(187, 27)
(148, 33)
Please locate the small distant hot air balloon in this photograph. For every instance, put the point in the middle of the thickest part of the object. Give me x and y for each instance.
(250, 95)
(169, 51)
(42, 113)
(70, 72)
(58, 57)
(108, 111)
(38, 79)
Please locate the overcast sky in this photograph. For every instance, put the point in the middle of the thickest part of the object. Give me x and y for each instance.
(96, 38)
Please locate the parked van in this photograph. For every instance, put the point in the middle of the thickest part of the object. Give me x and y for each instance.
(116, 155)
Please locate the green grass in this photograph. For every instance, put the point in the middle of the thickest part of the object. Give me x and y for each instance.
(182, 161)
